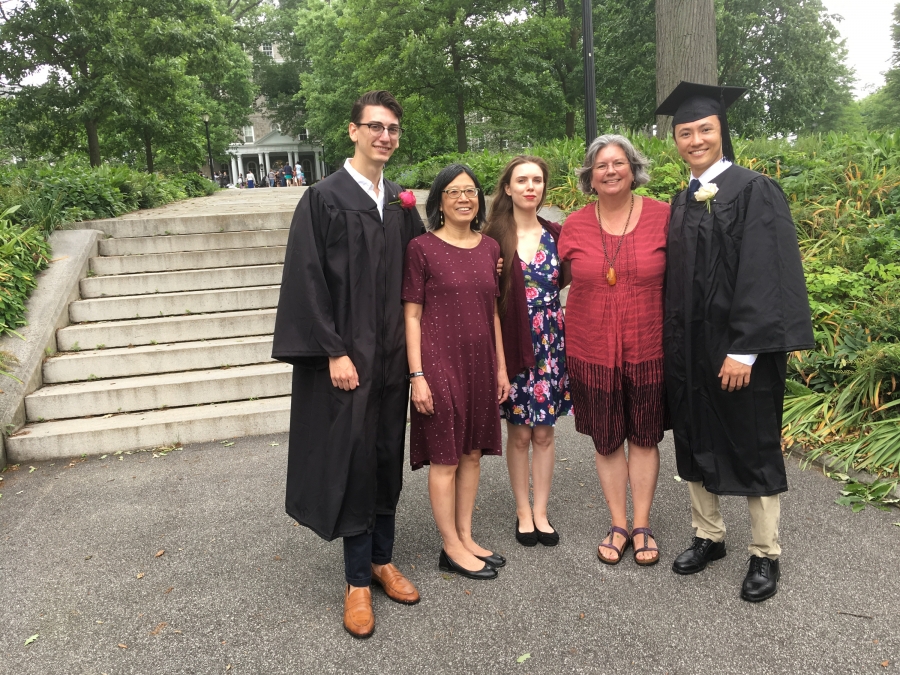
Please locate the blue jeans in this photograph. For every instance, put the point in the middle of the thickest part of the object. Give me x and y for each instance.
(362, 550)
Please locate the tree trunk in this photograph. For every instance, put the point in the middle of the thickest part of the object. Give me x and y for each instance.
(148, 151)
(685, 48)
(570, 124)
(462, 143)
(90, 126)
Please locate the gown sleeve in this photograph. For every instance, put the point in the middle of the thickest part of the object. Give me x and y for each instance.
(304, 322)
(770, 307)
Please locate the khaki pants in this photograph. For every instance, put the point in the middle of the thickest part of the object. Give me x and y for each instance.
(765, 516)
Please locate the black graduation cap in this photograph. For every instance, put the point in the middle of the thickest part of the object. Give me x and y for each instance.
(690, 102)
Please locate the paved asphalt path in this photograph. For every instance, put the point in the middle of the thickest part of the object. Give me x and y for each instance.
(240, 589)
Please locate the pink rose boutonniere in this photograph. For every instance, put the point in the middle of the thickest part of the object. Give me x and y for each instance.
(405, 199)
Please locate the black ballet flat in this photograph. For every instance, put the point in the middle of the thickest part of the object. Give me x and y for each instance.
(526, 538)
(447, 565)
(495, 560)
(547, 538)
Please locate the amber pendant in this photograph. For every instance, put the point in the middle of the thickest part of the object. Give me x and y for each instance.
(611, 277)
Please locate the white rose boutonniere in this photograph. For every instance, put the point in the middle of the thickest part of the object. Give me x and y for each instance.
(706, 194)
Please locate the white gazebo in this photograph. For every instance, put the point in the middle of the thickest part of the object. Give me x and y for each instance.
(274, 150)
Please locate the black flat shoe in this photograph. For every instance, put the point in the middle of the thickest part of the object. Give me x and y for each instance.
(547, 538)
(495, 560)
(526, 538)
(447, 565)
(700, 553)
(761, 582)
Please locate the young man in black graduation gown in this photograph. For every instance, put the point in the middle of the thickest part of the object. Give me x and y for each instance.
(340, 323)
(735, 305)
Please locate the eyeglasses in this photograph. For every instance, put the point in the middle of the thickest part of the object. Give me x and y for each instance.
(454, 193)
(618, 165)
(377, 128)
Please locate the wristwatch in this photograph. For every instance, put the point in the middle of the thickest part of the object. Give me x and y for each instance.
(418, 373)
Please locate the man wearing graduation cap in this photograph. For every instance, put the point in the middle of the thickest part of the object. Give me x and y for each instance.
(735, 306)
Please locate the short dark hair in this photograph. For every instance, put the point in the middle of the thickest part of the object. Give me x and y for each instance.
(443, 179)
(382, 98)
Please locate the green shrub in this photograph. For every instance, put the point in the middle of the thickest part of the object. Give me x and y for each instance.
(37, 198)
(71, 191)
(23, 253)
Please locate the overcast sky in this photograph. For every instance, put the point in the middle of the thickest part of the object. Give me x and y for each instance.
(867, 29)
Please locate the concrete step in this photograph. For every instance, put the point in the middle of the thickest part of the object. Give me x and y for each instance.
(175, 282)
(192, 242)
(192, 260)
(154, 392)
(119, 228)
(170, 304)
(162, 330)
(99, 364)
(126, 432)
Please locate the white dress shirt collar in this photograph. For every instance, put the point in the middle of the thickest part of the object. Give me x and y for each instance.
(368, 186)
(712, 172)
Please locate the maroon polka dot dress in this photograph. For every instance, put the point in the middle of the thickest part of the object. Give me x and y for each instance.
(457, 288)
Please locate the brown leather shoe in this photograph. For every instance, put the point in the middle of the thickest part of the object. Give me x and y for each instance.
(398, 587)
(359, 620)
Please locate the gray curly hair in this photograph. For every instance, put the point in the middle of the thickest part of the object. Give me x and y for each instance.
(639, 163)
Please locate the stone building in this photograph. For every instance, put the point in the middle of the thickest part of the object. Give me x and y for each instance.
(263, 146)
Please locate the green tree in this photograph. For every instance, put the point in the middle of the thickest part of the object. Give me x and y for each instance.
(791, 56)
(553, 37)
(332, 79)
(625, 61)
(881, 109)
(112, 67)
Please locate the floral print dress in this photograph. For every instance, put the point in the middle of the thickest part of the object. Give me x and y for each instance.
(540, 394)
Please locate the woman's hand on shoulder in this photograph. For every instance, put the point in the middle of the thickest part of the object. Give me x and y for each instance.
(421, 396)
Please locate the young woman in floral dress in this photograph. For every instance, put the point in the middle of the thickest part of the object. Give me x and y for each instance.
(533, 340)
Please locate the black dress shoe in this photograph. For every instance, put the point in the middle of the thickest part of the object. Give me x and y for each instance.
(447, 565)
(526, 538)
(548, 538)
(698, 556)
(761, 582)
(495, 560)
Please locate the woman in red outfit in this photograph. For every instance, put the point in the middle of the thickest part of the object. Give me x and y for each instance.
(456, 361)
(615, 249)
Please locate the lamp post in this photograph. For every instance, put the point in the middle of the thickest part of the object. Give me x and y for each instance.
(590, 86)
(208, 146)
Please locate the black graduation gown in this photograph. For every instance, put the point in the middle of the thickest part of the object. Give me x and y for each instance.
(734, 285)
(340, 295)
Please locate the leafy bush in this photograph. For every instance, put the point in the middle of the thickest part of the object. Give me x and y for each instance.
(71, 191)
(844, 191)
(23, 253)
(38, 198)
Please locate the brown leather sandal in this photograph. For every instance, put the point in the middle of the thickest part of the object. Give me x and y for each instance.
(647, 532)
(621, 552)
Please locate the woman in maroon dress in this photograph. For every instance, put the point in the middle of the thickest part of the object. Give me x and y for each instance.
(457, 367)
(616, 248)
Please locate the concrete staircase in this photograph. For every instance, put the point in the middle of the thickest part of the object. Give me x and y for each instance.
(171, 339)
